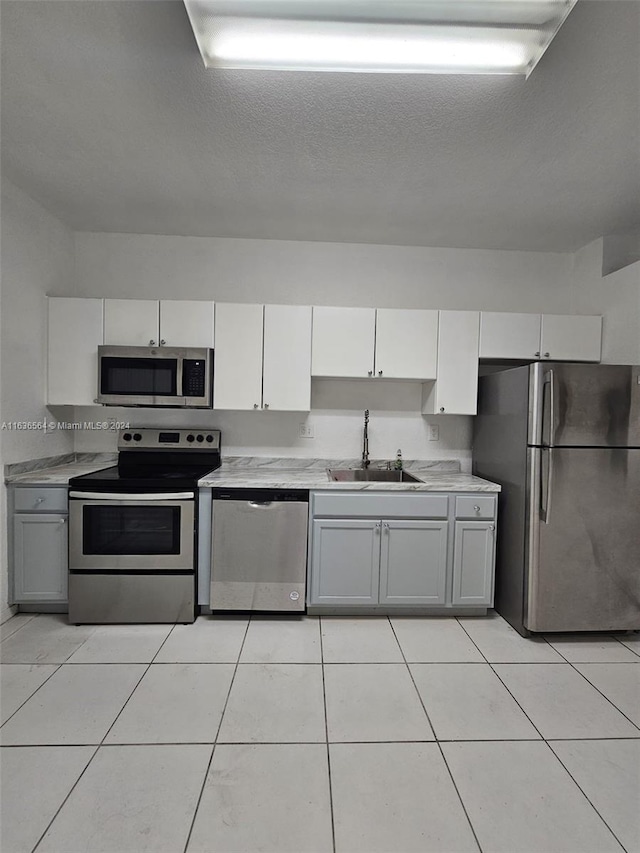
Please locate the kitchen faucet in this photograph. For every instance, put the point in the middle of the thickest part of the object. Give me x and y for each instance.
(365, 441)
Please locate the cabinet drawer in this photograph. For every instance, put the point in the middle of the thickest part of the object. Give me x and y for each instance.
(474, 506)
(40, 500)
(380, 505)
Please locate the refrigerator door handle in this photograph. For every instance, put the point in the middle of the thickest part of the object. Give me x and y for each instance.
(545, 507)
(549, 383)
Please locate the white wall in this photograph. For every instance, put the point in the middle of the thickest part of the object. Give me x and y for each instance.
(616, 296)
(144, 266)
(37, 257)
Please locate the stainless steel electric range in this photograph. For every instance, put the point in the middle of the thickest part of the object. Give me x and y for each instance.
(133, 529)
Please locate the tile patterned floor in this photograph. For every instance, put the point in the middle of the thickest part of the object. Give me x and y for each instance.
(368, 735)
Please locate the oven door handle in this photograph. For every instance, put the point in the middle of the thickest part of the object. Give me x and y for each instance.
(137, 497)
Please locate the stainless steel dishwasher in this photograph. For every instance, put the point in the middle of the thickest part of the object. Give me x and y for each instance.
(259, 549)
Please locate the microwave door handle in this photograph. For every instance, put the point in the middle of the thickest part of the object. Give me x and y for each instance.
(179, 379)
(137, 497)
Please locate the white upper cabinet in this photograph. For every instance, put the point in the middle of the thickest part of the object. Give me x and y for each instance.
(571, 338)
(237, 371)
(406, 343)
(149, 323)
(286, 382)
(131, 322)
(343, 342)
(362, 342)
(262, 357)
(75, 333)
(455, 391)
(505, 335)
(186, 323)
(527, 337)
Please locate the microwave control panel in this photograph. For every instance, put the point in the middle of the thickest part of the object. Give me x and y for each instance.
(194, 377)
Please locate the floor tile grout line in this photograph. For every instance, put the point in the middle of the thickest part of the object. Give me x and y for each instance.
(14, 632)
(62, 804)
(437, 742)
(326, 731)
(604, 695)
(584, 794)
(31, 695)
(215, 742)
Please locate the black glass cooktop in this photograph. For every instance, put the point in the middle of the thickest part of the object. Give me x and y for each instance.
(142, 478)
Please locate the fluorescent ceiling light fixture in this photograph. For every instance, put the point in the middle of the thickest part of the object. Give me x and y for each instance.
(386, 36)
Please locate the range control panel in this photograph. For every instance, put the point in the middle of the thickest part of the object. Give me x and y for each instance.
(145, 438)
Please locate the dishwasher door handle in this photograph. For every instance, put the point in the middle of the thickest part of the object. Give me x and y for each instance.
(260, 504)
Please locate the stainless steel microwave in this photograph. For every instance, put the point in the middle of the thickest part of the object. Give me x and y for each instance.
(155, 376)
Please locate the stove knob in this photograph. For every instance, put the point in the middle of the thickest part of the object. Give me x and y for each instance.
(200, 438)
(190, 438)
(127, 436)
(137, 436)
(209, 438)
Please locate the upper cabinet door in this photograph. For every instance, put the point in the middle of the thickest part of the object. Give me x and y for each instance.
(237, 370)
(287, 358)
(343, 342)
(131, 322)
(571, 338)
(455, 391)
(406, 343)
(186, 323)
(505, 335)
(75, 333)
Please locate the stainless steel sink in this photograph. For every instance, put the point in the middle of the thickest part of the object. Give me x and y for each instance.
(370, 475)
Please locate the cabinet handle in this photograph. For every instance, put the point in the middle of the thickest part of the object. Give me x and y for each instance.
(63, 520)
(492, 527)
(547, 354)
(537, 354)
(39, 501)
(476, 509)
(386, 527)
(162, 342)
(266, 405)
(152, 343)
(371, 373)
(442, 408)
(255, 405)
(379, 373)
(378, 526)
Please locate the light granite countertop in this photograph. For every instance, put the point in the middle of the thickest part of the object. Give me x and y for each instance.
(269, 473)
(57, 471)
(260, 473)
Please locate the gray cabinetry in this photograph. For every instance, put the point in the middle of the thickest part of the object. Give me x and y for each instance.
(409, 549)
(413, 564)
(346, 557)
(39, 547)
(473, 559)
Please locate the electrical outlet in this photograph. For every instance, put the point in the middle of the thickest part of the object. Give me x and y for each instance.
(434, 432)
(306, 431)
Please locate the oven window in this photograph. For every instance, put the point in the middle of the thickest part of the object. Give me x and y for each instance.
(139, 376)
(113, 530)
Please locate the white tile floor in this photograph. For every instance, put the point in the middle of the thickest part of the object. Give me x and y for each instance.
(292, 736)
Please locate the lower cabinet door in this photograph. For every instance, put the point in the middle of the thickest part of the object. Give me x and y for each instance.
(345, 562)
(473, 562)
(40, 557)
(413, 564)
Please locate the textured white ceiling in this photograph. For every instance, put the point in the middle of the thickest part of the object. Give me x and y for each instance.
(111, 121)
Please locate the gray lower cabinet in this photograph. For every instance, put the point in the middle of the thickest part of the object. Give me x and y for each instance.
(473, 560)
(40, 557)
(413, 562)
(38, 549)
(401, 549)
(346, 561)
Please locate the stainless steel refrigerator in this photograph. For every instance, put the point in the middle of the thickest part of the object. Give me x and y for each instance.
(563, 441)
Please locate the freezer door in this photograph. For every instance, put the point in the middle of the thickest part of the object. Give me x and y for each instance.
(583, 561)
(584, 405)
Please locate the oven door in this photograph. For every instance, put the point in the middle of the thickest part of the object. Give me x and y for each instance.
(131, 533)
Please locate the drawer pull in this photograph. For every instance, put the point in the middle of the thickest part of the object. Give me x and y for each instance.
(476, 508)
